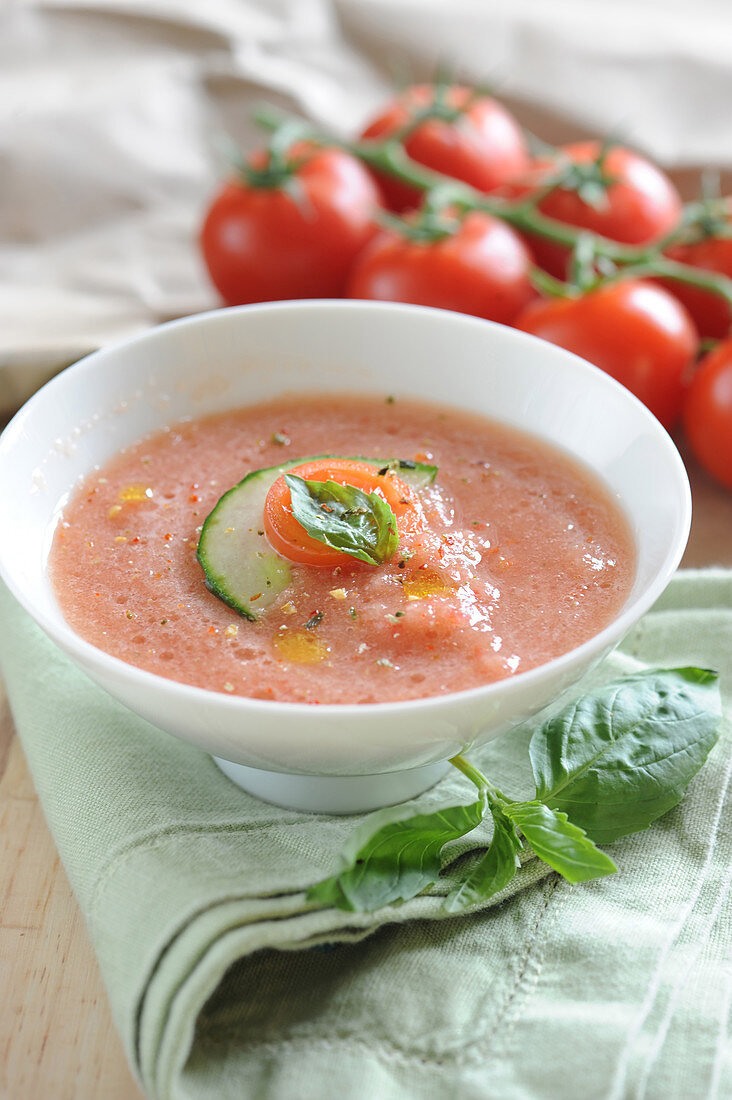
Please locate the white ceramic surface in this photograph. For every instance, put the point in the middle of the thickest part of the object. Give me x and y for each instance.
(234, 357)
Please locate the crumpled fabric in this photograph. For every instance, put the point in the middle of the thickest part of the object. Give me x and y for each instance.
(110, 110)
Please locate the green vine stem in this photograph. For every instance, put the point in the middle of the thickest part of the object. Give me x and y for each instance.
(485, 789)
(632, 261)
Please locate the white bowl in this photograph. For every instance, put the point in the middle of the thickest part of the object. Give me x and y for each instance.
(234, 357)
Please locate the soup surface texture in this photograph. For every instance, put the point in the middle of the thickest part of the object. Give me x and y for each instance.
(522, 555)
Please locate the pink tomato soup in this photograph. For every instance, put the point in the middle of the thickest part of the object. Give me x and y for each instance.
(525, 556)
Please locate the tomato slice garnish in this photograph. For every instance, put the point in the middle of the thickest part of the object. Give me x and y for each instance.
(289, 538)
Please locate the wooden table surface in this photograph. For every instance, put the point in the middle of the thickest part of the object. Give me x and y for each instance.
(57, 1037)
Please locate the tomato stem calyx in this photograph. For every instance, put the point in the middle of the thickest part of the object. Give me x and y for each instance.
(609, 260)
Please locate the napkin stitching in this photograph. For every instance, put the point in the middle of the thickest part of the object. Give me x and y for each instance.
(529, 967)
(655, 981)
(155, 839)
(721, 1046)
(459, 1052)
(663, 1029)
(722, 895)
(392, 914)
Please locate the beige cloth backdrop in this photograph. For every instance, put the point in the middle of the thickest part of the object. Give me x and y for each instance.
(109, 108)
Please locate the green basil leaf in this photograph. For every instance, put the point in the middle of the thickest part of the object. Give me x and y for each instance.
(620, 757)
(562, 845)
(345, 518)
(494, 871)
(393, 856)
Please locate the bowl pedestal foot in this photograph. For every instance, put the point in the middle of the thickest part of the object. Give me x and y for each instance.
(333, 794)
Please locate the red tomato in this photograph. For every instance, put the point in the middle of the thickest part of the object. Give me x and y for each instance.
(641, 206)
(635, 331)
(710, 312)
(484, 147)
(708, 413)
(296, 240)
(290, 538)
(482, 268)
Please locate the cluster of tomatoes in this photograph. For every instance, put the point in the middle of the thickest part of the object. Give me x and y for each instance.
(313, 221)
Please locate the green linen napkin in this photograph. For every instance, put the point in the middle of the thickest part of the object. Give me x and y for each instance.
(194, 896)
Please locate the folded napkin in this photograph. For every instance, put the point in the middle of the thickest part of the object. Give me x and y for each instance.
(225, 983)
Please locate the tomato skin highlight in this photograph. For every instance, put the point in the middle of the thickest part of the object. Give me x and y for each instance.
(484, 148)
(481, 269)
(708, 413)
(290, 539)
(269, 243)
(633, 330)
(641, 207)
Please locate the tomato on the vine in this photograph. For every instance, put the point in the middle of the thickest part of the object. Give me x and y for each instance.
(293, 232)
(480, 267)
(707, 413)
(636, 332)
(712, 253)
(469, 137)
(619, 195)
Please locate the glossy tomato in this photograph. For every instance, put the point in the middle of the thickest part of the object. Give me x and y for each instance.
(640, 206)
(483, 145)
(710, 312)
(708, 413)
(295, 239)
(481, 268)
(635, 331)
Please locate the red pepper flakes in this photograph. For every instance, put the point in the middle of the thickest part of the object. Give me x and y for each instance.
(168, 537)
(193, 499)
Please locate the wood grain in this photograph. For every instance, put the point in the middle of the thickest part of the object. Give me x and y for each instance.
(57, 1039)
(56, 1036)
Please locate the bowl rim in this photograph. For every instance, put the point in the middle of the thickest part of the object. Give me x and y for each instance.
(88, 654)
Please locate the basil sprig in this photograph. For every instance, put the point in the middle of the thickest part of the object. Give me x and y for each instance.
(345, 518)
(607, 765)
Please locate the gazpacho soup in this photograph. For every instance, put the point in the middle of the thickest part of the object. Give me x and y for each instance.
(340, 550)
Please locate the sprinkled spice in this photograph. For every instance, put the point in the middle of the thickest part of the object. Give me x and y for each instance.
(338, 593)
(314, 620)
(280, 439)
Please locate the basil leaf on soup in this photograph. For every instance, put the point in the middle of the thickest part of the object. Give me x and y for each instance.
(621, 756)
(345, 518)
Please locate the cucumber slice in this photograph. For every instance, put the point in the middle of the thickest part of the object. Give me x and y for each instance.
(239, 565)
